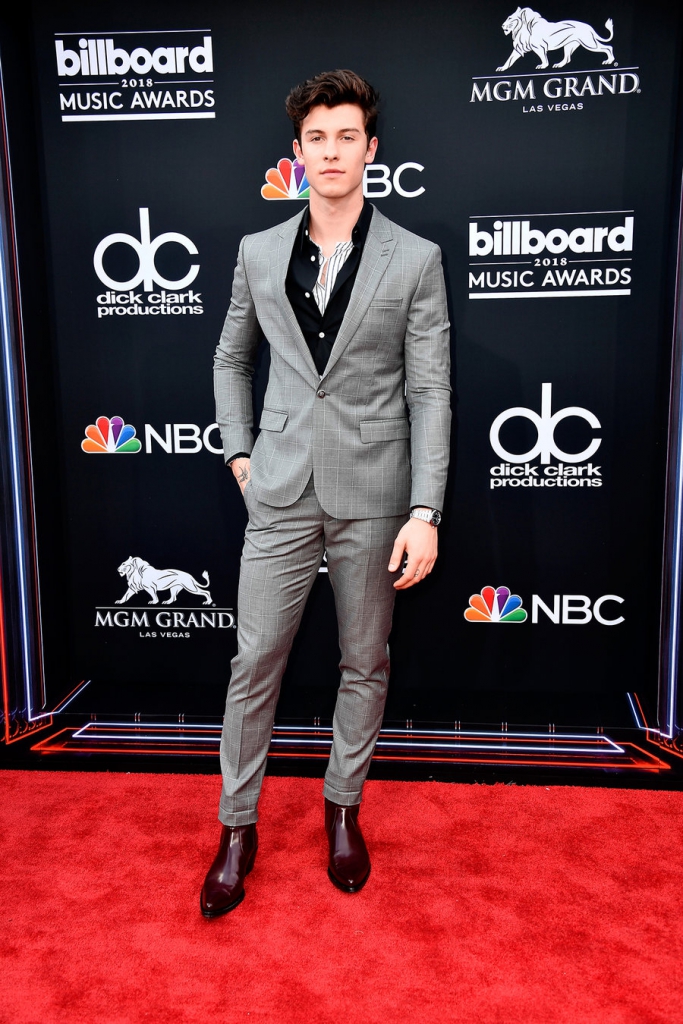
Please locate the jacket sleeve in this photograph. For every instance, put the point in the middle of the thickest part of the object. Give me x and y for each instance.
(233, 366)
(428, 386)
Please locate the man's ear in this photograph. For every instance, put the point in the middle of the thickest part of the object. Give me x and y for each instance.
(297, 151)
(371, 150)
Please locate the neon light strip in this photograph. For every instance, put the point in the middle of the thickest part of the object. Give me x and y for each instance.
(639, 716)
(214, 726)
(147, 725)
(65, 703)
(636, 716)
(450, 732)
(553, 741)
(559, 748)
(15, 470)
(676, 546)
(525, 748)
(143, 736)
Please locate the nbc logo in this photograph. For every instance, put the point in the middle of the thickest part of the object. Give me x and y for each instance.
(286, 181)
(495, 605)
(110, 437)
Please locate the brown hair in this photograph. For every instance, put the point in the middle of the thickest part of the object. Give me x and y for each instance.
(331, 89)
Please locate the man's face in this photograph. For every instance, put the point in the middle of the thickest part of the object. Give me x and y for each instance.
(334, 149)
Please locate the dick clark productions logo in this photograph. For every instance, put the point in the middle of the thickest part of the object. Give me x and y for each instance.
(518, 470)
(169, 298)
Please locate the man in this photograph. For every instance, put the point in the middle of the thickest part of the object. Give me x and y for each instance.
(351, 457)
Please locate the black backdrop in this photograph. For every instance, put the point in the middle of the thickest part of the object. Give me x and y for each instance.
(550, 151)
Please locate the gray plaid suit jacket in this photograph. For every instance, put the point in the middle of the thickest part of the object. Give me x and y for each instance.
(375, 428)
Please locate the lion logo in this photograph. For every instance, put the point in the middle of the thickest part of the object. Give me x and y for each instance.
(530, 32)
(140, 575)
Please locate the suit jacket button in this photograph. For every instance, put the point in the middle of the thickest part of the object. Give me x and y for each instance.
(321, 394)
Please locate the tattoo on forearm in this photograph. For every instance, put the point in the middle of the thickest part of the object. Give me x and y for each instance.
(243, 475)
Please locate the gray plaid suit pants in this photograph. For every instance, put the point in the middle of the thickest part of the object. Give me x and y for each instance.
(283, 550)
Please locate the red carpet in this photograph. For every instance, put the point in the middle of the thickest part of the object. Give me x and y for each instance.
(486, 905)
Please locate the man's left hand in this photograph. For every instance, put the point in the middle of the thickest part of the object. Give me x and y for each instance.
(419, 540)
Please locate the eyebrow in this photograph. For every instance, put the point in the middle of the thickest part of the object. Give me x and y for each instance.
(321, 131)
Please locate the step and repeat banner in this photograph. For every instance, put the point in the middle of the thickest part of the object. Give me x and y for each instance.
(535, 147)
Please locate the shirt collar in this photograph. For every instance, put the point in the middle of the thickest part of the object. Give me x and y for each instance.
(360, 230)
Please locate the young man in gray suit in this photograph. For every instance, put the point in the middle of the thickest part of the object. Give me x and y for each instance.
(351, 457)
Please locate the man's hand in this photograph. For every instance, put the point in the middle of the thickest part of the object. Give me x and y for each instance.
(419, 540)
(241, 470)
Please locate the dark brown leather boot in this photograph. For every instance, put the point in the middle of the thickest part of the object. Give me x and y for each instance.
(349, 866)
(224, 884)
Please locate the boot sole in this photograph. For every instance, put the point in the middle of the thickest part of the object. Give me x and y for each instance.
(347, 888)
(231, 906)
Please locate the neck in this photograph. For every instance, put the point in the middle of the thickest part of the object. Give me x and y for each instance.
(333, 220)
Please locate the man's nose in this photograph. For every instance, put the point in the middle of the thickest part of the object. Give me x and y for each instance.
(331, 150)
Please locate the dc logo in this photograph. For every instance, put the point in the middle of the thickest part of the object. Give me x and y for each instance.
(545, 425)
(146, 249)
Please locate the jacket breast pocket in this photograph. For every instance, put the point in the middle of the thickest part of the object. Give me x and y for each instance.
(396, 429)
(385, 302)
(271, 420)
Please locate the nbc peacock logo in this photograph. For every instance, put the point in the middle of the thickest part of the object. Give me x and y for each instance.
(110, 437)
(495, 605)
(286, 181)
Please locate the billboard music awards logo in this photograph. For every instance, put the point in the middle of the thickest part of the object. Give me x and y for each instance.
(576, 43)
(533, 468)
(135, 76)
(114, 436)
(145, 582)
(288, 181)
(550, 255)
(499, 604)
(159, 296)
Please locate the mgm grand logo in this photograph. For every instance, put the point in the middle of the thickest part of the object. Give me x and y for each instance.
(144, 581)
(546, 90)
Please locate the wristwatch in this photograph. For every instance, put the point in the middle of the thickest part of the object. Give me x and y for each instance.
(427, 515)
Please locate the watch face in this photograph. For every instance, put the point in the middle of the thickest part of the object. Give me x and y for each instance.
(436, 518)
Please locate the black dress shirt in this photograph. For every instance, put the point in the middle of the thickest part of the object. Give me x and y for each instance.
(320, 329)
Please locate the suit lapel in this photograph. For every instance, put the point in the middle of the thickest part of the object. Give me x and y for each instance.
(286, 236)
(377, 252)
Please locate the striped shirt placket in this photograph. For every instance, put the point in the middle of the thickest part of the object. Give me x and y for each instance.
(322, 291)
